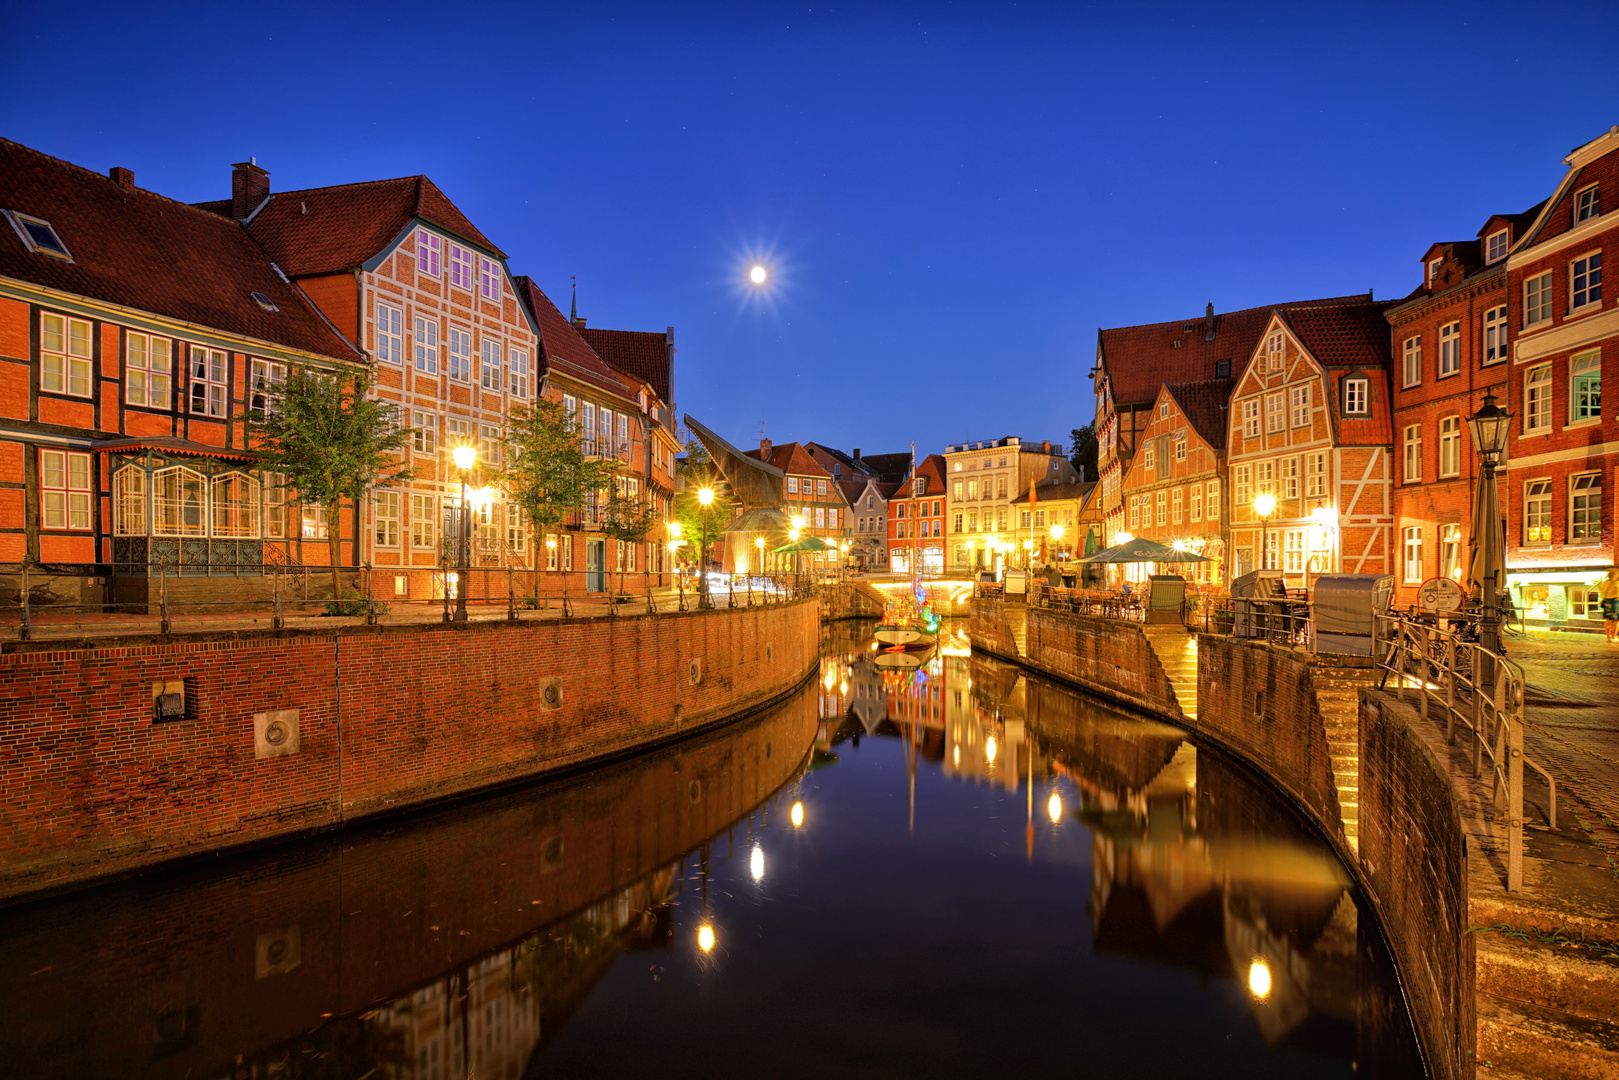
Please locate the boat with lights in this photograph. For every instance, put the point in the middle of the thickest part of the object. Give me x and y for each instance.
(908, 621)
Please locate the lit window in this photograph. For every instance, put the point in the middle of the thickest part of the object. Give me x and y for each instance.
(1585, 387)
(1294, 551)
(1537, 413)
(426, 345)
(1537, 512)
(1450, 551)
(424, 522)
(1175, 506)
(424, 432)
(1585, 508)
(1587, 204)
(265, 378)
(390, 334)
(313, 521)
(147, 370)
(1413, 454)
(1290, 478)
(1495, 334)
(64, 490)
(234, 506)
(792, 485)
(518, 362)
(460, 267)
(1214, 500)
(1537, 299)
(1357, 396)
(178, 497)
(1450, 446)
(1135, 512)
(1450, 349)
(1250, 418)
(491, 365)
(1301, 405)
(1275, 413)
(460, 354)
(64, 355)
(1195, 510)
(820, 487)
(1411, 361)
(1315, 475)
(1413, 555)
(209, 379)
(1243, 485)
(39, 235)
(275, 506)
(1433, 269)
(1584, 602)
(129, 501)
(489, 279)
(1495, 246)
(1585, 285)
(385, 511)
(1161, 503)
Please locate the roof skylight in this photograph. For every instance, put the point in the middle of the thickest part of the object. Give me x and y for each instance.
(38, 235)
(264, 302)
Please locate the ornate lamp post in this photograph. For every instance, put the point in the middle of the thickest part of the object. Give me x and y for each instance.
(705, 499)
(465, 458)
(1264, 506)
(1490, 427)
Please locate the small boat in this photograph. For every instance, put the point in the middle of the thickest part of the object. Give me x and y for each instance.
(908, 621)
(901, 659)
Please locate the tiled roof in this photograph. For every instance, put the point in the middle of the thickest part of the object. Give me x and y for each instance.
(140, 250)
(891, 467)
(792, 458)
(852, 488)
(331, 229)
(1342, 335)
(1205, 405)
(561, 345)
(640, 353)
(1057, 492)
(1140, 359)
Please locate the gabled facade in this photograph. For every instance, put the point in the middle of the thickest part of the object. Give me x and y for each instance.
(1564, 447)
(809, 494)
(1309, 424)
(868, 514)
(1174, 488)
(916, 517)
(1068, 506)
(984, 478)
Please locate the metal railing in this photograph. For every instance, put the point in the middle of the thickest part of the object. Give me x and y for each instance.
(1280, 622)
(1481, 693)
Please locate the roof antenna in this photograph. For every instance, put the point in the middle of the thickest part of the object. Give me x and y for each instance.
(573, 315)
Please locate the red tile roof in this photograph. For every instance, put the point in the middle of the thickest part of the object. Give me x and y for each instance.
(563, 348)
(327, 230)
(1140, 359)
(791, 458)
(640, 353)
(1055, 492)
(140, 250)
(1343, 335)
(1206, 406)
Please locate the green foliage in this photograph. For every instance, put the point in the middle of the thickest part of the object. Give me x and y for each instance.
(1083, 451)
(697, 469)
(630, 518)
(547, 472)
(352, 605)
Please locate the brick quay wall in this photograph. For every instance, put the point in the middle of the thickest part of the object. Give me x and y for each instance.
(292, 732)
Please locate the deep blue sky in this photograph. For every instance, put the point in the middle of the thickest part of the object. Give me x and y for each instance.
(953, 197)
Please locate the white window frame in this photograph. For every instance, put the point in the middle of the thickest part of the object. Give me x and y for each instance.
(385, 518)
(1293, 551)
(429, 253)
(148, 383)
(423, 521)
(1450, 550)
(389, 321)
(1585, 381)
(1265, 478)
(1585, 507)
(517, 363)
(424, 345)
(1160, 505)
(1290, 478)
(1537, 299)
(1250, 418)
(424, 432)
(1176, 500)
(1450, 447)
(1587, 203)
(1411, 442)
(1357, 396)
(1412, 549)
(1180, 452)
(1135, 512)
(263, 378)
(73, 353)
(491, 365)
(1243, 485)
(1537, 512)
(489, 279)
(1585, 283)
(1211, 509)
(1301, 405)
(1411, 361)
(1450, 349)
(458, 354)
(207, 381)
(1275, 413)
(1275, 354)
(1495, 334)
(463, 267)
(1495, 246)
(1537, 399)
(1315, 475)
(21, 224)
(1194, 510)
(66, 491)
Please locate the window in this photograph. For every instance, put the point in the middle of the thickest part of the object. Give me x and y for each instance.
(1000, 519)
(1265, 478)
(955, 490)
(1585, 285)
(1175, 508)
(208, 380)
(426, 346)
(1301, 405)
(489, 446)
(38, 235)
(517, 531)
(1587, 204)
(423, 522)
(385, 512)
(1023, 521)
(1411, 361)
(1195, 510)
(1180, 450)
(489, 279)
(264, 381)
(972, 489)
(832, 518)
(1585, 387)
(1450, 446)
(792, 485)
(1357, 396)
(1160, 502)
(1537, 299)
(1450, 349)
(1243, 484)
(424, 432)
(820, 487)
(1000, 487)
(1584, 602)
(1222, 369)
(429, 253)
(64, 355)
(518, 360)
(604, 432)
(460, 354)
(1269, 554)
(1413, 555)
(147, 370)
(314, 521)
(129, 501)
(177, 502)
(1537, 413)
(1315, 475)
(958, 522)
(491, 365)
(457, 433)
(1413, 454)
(64, 490)
(1275, 412)
(1151, 454)
(460, 266)
(1450, 551)
(275, 506)
(1433, 268)
(1495, 246)
(1293, 550)
(1273, 352)
(1214, 500)
(1250, 418)
(1537, 512)
(1585, 508)
(1135, 512)
(1495, 334)
(820, 517)
(1290, 478)
(390, 334)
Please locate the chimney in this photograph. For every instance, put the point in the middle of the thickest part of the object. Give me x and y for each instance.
(1046, 446)
(578, 322)
(123, 177)
(1208, 322)
(857, 453)
(249, 187)
(764, 449)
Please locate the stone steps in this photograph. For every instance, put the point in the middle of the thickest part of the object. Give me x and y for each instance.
(1569, 980)
(1177, 655)
(1542, 1042)
(1337, 699)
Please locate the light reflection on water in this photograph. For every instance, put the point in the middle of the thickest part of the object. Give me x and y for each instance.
(939, 867)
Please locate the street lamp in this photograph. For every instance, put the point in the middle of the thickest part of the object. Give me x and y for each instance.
(1264, 506)
(705, 499)
(1490, 426)
(466, 457)
(759, 545)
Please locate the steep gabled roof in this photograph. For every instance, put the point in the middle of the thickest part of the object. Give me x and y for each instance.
(644, 354)
(891, 467)
(753, 483)
(1342, 335)
(139, 250)
(1205, 406)
(1140, 359)
(792, 458)
(562, 348)
(327, 230)
(852, 487)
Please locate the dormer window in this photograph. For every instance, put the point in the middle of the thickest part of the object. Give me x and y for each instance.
(1433, 269)
(1273, 352)
(1495, 246)
(919, 485)
(39, 235)
(1587, 204)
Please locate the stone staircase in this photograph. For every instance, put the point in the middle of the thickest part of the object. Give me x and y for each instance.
(1337, 696)
(1176, 649)
(1545, 1010)
(1017, 617)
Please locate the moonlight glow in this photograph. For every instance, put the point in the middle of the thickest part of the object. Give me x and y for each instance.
(758, 274)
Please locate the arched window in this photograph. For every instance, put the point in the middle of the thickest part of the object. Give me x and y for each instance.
(178, 502)
(235, 506)
(129, 501)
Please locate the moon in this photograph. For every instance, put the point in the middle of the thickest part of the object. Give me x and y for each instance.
(758, 275)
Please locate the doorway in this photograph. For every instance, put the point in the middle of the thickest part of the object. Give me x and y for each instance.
(596, 566)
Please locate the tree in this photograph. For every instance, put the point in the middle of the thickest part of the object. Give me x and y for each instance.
(547, 472)
(629, 519)
(697, 469)
(1084, 451)
(332, 441)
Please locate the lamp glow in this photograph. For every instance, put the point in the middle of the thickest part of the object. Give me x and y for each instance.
(797, 815)
(1259, 979)
(957, 755)
(705, 938)
(1325, 516)
(759, 542)
(465, 457)
(1056, 532)
(798, 521)
(551, 542)
(756, 863)
(1265, 505)
(989, 749)
(674, 530)
(705, 496)
(1054, 808)
(1122, 538)
(758, 275)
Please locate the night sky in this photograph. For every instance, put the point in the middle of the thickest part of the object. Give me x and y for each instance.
(951, 198)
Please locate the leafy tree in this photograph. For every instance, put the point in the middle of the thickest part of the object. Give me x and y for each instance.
(1083, 451)
(547, 472)
(628, 518)
(697, 469)
(332, 441)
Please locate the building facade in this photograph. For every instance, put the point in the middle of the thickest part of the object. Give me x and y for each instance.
(984, 478)
(810, 496)
(1055, 522)
(916, 520)
(1174, 488)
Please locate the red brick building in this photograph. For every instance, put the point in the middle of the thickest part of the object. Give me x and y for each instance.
(916, 516)
(1564, 447)
(1174, 489)
(810, 496)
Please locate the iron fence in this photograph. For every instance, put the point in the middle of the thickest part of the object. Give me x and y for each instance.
(1280, 622)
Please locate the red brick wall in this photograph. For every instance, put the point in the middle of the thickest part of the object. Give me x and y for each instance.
(90, 785)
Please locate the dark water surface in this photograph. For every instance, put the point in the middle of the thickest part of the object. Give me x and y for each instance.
(954, 872)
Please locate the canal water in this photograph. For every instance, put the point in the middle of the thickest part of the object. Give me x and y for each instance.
(946, 870)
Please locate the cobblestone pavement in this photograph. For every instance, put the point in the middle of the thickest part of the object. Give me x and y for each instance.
(1572, 714)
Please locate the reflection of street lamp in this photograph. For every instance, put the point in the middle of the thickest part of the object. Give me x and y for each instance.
(705, 938)
(705, 499)
(1054, 808)
(797, 815)
(1264, 506)
(465, 458)
(1489, 427)
(1259, 979)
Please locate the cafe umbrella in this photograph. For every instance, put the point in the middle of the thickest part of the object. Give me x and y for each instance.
(1142, 550)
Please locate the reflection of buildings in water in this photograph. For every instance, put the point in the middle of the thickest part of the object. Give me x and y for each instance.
(985, 734)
